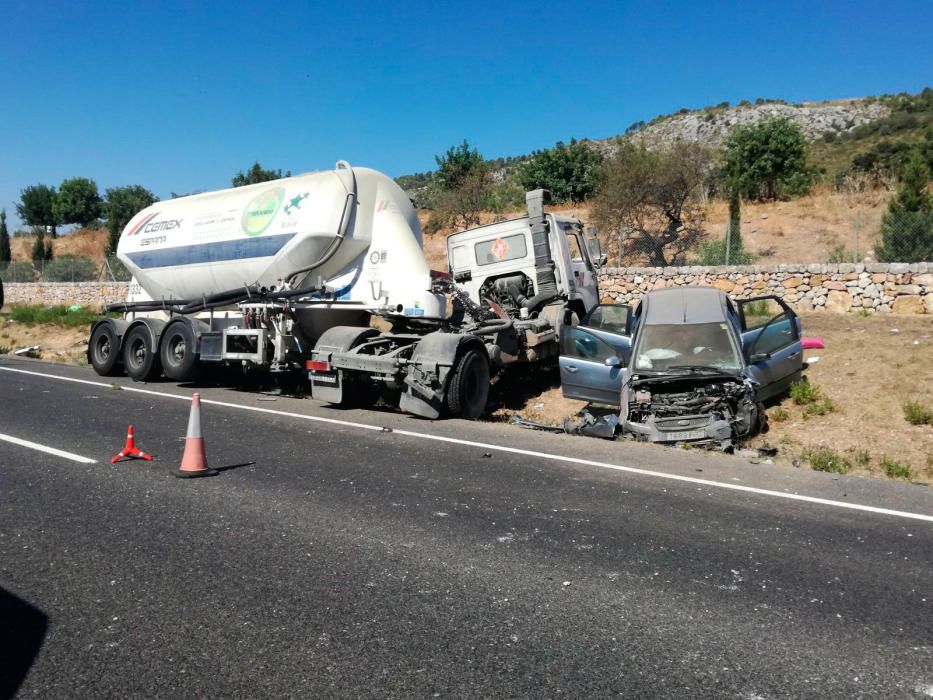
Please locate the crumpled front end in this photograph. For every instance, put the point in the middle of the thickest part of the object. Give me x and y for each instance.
(718, 411)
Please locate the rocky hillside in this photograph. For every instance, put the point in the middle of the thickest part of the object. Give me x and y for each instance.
(712, 125)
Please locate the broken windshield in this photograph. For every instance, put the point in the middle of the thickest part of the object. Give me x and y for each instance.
(673, 346)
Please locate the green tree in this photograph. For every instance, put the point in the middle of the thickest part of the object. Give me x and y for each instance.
(569, 172)
(768, 160)
(257, 174)
(40, 250)
(457, 165)
(36, 207)
(6, 255)
(651, 200)
(78, 202)
(123, 203)
(907, 226)
(460, 189)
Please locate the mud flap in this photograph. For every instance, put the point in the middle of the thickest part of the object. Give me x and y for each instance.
(426, 380)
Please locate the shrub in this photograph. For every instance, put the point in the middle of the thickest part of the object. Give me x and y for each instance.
(714, 253)
(70, 268)
(17, 271)
(917, 413)
(895, 469)
(779, 415)
(822, 406)
(823, 459)
(33, 314)
(862, 458)
(802, 392)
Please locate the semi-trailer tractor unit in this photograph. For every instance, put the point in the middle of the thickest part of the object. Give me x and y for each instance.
(291, 275)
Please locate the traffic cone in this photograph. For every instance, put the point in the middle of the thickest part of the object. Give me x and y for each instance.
(194, 461)
(131, 451)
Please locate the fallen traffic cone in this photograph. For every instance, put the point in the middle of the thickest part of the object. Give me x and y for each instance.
(194, 461)
(131, 451)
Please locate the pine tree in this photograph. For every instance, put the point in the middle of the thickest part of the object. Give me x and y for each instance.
(907, 226)
(6, 255)
(38, 246)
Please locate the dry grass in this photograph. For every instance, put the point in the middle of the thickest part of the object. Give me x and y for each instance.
(83, 243)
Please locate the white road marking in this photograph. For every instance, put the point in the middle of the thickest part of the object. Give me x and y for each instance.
(48, 450)
(512, 450)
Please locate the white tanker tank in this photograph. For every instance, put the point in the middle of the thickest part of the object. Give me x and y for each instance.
(351, 234)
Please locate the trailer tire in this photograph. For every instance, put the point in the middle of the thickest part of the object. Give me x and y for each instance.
(178, 352)
(104, 350)
(141, 362)
(468, 389)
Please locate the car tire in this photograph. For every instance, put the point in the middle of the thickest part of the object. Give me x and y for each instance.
(104, 350)
(140, 361)
(468, 389)
(178, 352)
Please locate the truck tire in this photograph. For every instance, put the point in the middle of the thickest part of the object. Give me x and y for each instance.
(104, 350)
(142, 364)
(178, 352)
(468, 389)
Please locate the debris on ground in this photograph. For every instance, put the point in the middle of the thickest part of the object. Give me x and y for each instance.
(587, 424)
(31, 351)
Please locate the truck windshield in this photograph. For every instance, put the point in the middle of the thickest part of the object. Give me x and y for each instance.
(665, 346)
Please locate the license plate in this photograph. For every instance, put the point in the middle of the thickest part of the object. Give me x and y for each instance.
(686, 435)
(324, 378)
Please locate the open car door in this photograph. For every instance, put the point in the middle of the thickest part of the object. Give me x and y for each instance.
(594, 354)
(771, 344)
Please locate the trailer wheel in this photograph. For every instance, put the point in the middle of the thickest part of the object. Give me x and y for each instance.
(468, 389)
(178, 352)
(142, 364)
(104, 350)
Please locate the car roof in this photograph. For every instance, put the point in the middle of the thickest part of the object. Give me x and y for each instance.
(679, 305)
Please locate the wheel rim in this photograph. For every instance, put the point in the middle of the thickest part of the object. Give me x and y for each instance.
(176, 350)
(138, 352)
(102, 349)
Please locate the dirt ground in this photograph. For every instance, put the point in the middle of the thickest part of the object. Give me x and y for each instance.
(58, 344)
(869, 368)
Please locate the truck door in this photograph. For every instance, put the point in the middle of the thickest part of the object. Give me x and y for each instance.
(582, 268)
(594, 354)
(771, 344)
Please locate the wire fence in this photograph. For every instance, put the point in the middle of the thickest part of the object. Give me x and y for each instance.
(67, 268)
(863, 238)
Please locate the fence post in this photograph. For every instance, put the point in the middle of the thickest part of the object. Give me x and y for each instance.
(728, 238)
(858, 226)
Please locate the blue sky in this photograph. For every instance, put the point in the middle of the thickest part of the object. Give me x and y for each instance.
(179, 96)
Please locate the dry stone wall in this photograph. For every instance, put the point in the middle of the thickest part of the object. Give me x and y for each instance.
(898, 288)
(91, 294)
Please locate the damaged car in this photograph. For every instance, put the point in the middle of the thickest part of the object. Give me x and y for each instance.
(687, 365)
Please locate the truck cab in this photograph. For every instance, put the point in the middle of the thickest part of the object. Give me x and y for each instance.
(497, 262)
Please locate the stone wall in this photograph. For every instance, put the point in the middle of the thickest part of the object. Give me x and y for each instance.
(876, 287)
(91, 294)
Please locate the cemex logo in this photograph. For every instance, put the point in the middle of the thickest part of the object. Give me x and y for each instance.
(149, 225)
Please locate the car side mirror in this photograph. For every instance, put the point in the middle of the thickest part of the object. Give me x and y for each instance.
(612, 361)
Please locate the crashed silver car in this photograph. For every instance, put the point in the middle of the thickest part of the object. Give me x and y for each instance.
(688, 365)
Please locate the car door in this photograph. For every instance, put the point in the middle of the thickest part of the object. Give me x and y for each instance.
(584, 274)
(594, 354)
(771, 344)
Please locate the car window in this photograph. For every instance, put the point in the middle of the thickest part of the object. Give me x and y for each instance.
(662, 346)
(776, 324)
(609, 317)
(586, 346)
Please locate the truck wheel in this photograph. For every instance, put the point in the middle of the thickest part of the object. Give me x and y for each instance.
(468, 389)
(141, 363)
(178, 352)
(104, 350)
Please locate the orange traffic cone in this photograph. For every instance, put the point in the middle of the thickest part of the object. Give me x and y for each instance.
(194, 461)
(131, 451)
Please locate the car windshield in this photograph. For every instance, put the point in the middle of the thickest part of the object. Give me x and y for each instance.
(685, 346)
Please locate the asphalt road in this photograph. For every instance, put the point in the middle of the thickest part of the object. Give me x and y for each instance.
(348, 560)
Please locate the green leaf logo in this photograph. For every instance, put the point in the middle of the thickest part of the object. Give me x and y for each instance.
(261, 210)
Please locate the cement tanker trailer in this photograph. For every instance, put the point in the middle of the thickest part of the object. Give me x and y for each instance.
(287, 275)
